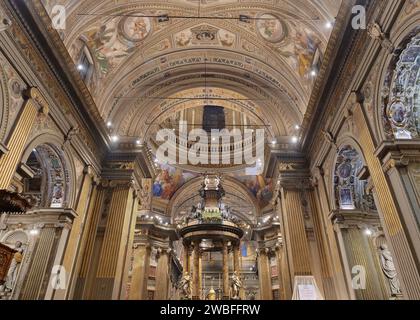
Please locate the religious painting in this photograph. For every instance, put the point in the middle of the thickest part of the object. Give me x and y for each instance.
(108, 51)
(169, 180)
(260, 187)
(345, 179)
(346, 198)
(307, 52)
(397, 112)
(271, 28)
(183, 38)
(135, 28)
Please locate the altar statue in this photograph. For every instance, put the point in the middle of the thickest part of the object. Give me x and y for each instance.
(389, 270)
(185, 285)
(236, 286)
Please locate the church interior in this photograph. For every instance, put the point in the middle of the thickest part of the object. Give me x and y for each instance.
(210, 150)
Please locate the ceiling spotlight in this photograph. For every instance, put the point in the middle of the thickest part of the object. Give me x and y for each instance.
(297, 127)
(80, 67)
(329, 25)
(368, 232)
(273, 141)
(109, 124)
(138, 142)
(34, 232)
(114, 138)
(313, 73)
(294, 139)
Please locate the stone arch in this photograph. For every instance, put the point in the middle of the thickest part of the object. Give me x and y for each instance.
(15, 235)
(4, 104)
(58, 168)
(398, 89)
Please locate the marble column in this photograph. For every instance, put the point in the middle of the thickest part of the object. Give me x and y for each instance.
(85, 266)
(74, 243)
(42, 277)
(236, 258)
(295, 232)
(162, 274)
(401, 245)
(200, 274)
(186, 259)
(18, 138)
(112, 258)
(225, 263)
(140, 271)
(285, 290)
(196, 271)
(358, 257)
(266, 292)
(329, 237)
(327, 278)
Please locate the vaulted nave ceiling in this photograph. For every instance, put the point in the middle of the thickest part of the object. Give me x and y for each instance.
(146, 68)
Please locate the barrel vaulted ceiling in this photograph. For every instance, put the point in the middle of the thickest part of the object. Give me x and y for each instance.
(146, 69)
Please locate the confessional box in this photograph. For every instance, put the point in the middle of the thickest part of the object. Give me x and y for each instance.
(6, 257)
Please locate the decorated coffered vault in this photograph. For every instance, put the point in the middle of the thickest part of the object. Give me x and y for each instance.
(141, 58)
(325, 189)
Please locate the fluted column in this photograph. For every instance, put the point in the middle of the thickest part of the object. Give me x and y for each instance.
(162, 275)
(401, 245)
(186, 258)
(266, 292)
(357, 253)
(295, 233)
(330, 241)
(140, 272)
(236, 258)
(112, 258)
(196, 271)
(85, 265)
(285, 290)
(19, 136)
(324, 259)
(225, 262)
(36, 273)
(42, 277)
(74, 243)
(200, 273)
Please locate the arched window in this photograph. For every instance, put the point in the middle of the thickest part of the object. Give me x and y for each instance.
(401, 94)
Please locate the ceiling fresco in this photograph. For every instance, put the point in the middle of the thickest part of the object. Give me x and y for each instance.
(282, 40)
(152, 64)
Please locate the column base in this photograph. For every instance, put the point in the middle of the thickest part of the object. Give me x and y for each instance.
(195, 298)
(305, 288)
(225, 298)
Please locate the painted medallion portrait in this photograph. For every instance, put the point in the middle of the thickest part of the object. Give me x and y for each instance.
(270, 27)
(136, 28)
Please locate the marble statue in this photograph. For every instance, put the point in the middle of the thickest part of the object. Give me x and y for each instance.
(14, 268)
(389, 270)
(185, 285)
(236, 286)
